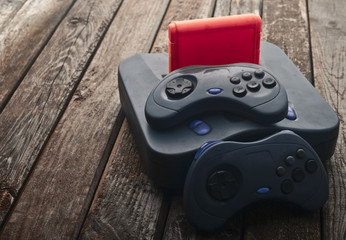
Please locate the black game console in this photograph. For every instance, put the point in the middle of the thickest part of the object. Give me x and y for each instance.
(232, 134)
(167, 154)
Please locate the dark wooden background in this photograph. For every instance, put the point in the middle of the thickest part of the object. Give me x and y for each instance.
(69, 167)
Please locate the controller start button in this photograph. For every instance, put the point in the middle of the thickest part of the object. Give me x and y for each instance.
(263, 190)
(214, 91)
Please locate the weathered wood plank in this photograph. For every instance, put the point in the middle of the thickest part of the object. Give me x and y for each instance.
(177, 11)
(127, 205)
(179, 228)
(22, 39)
(35, 108)
(285, 24)
(278, 220)
(76, 154)
(8, 10)
(328, 34)
(229, 7)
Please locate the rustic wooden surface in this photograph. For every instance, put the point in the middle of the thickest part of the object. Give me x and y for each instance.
(69, 166)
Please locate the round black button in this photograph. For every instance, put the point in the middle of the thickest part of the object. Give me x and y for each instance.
(287, 186)
(269, 83)
(298, 174)
(253, 86)
(259, 73)
(289, 160)
(246, 76)
(239, 91)
(311, 166)
(301, 153)
(179, 87)
(222, 185)
(235, 80)
(280, 171)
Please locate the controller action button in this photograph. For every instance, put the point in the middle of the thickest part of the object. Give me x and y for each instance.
(280, 171)
(239, 91)
(200, 127)
(298, 174)
(235, 80)
(287, 186)
(301, 153)
(291, 115)
(269, 83)
(179, 87)
(222, 185)
(311, 166)
(259, 73)
(246, 76)
(263, 190)
(289, 160)
(253, 86)
(215, 91)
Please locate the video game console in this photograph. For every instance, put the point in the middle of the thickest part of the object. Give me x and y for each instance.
(172, 153)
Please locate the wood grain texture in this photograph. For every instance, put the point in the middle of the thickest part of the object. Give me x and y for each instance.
(8, 10)
(121, 206)
(23, 34)
(177, 11)
(178, 227)
(278, 220)
(285, 24)
(127, 205)
(328, 34)
(35, 108)
(234, 7)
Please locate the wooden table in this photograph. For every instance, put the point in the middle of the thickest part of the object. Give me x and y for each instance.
(69, 167)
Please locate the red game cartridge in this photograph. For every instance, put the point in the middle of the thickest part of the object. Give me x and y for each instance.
(214, 41)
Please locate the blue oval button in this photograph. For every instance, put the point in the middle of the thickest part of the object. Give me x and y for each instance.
(214, 91)
(200, 127)
(263, 190)
(291, 115)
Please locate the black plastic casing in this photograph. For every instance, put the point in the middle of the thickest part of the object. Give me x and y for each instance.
(167, 154)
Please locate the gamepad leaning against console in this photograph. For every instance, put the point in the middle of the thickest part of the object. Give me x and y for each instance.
(269, 147)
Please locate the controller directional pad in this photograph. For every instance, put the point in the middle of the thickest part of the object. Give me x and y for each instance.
(179, 87)
(222, 185)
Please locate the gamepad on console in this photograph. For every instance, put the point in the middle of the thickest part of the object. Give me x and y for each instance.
(168, 154)
(246, 90)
